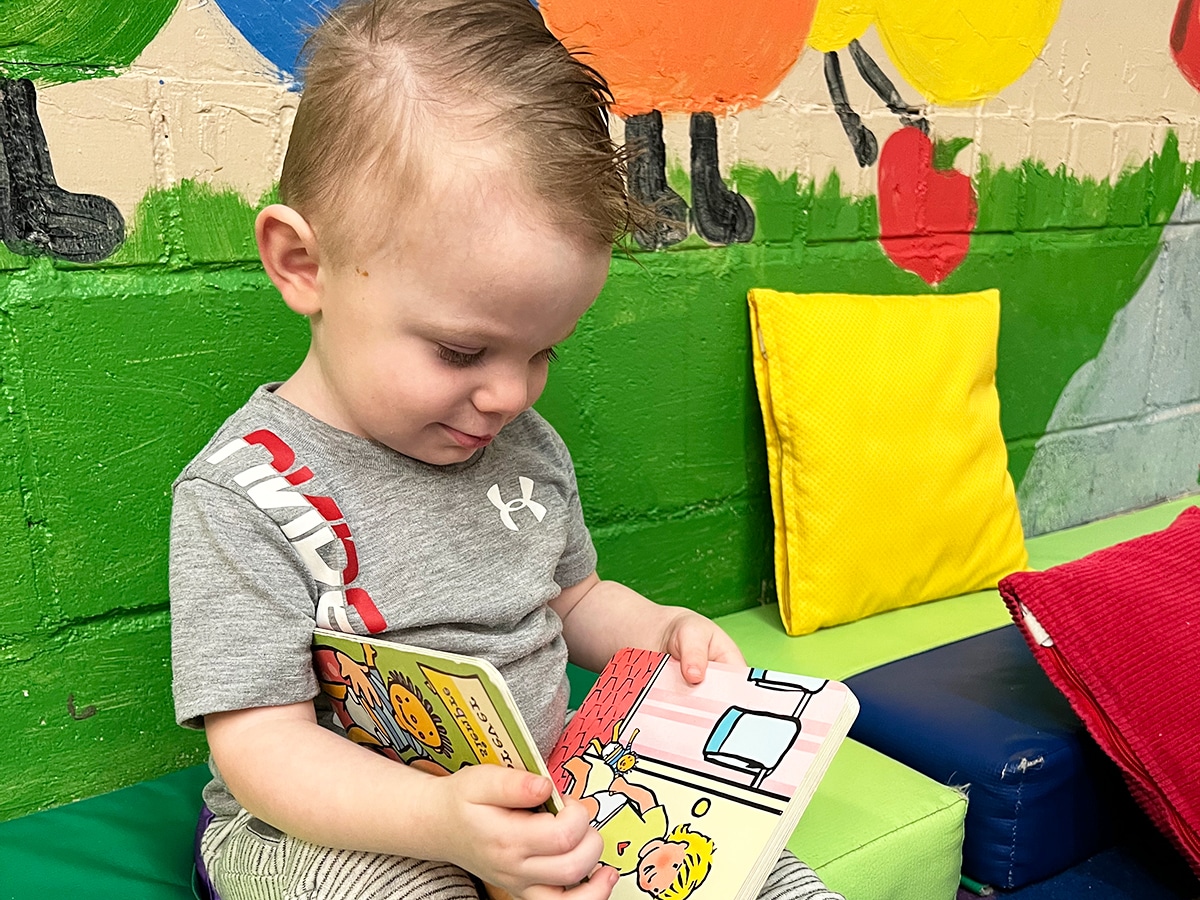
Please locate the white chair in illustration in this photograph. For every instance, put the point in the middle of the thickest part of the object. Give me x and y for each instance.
(753, 741)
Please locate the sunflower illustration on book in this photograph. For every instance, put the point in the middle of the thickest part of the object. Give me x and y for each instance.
(392, 717)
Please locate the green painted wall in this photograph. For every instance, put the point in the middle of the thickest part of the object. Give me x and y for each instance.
(115, 374)
(71, 40)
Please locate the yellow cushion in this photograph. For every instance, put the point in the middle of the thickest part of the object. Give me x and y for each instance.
(889, 478)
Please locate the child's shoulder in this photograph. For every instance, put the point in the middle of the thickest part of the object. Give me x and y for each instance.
(533, 431)
(259, 416)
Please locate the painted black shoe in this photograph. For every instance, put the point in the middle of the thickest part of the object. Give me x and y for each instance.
(648, 182)
(719, 215)
(39, 216)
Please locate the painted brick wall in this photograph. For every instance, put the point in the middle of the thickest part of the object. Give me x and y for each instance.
(114, 372)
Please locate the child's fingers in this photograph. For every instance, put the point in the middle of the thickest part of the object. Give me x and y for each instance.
(566, 839)
(599, 886)
(694, 666)
(695, 641)
(501, 786)
(722, 649)
(692, 647)
(565, 869)
(534, 847)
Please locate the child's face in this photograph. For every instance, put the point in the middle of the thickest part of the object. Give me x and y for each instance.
(658, 865)
(436, 344)
(413, 717)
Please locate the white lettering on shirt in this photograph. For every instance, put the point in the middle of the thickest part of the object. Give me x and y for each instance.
(320, 523)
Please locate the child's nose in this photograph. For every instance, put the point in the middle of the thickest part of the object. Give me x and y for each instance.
(506, 394)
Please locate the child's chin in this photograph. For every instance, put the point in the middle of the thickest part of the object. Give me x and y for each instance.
(443, 456)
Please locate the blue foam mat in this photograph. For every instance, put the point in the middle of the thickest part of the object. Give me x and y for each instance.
(981, 714)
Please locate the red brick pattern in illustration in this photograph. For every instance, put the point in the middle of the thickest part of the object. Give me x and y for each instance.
(609, 700)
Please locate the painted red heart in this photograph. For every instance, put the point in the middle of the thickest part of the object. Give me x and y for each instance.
(926, 215)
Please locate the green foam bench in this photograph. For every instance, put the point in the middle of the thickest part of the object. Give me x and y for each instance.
(875, 830)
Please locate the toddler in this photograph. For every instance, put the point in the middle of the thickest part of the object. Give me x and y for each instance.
(450, 197)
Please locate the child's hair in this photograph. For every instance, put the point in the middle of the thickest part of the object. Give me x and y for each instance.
(386, 80)
(697, 860)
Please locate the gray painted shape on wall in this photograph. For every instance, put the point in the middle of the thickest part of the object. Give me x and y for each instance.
(1126, 430)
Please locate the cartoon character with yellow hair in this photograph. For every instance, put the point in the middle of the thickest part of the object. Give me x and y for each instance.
(670, 863)
(670, 868)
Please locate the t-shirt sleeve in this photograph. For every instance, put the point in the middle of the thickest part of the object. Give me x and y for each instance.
(241, 607)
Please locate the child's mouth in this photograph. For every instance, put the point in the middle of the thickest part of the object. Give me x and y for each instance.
(468, 441)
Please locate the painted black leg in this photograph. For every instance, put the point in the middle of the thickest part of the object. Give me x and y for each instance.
(718, 214)
(862, 139)
(883, 86)
(40, 216)
(648, 181)
(6, 223)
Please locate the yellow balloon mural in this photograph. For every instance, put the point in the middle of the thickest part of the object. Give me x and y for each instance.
(955, 52)
(838, 22)
(964, 51)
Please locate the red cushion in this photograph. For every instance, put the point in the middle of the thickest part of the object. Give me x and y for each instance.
(1118, 632)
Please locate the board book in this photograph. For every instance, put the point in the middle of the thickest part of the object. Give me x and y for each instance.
(696, 784)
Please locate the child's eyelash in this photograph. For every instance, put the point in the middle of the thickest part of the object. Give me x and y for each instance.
(462, 360)
(457, 357)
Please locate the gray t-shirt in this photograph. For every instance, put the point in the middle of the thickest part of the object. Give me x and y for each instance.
(282, 523)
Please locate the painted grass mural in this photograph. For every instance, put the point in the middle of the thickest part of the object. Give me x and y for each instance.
(53, 41)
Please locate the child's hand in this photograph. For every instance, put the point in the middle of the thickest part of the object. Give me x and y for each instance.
(491, 830)
(355, 675)
(694, 640)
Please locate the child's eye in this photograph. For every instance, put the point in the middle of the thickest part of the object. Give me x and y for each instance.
(458, 358)
(549, 354)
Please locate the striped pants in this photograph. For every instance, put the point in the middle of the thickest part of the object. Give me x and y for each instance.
(246, 859)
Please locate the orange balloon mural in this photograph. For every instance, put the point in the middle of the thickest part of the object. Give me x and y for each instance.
(674, 56)
(703, 57)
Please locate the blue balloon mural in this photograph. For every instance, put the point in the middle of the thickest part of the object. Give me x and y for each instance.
(276, 28)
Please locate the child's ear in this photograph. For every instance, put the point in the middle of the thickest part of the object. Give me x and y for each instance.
(287, 246)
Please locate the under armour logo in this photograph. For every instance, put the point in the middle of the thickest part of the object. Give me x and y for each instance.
(525, 501)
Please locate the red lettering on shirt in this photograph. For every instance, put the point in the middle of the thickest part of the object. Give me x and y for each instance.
(273, 492)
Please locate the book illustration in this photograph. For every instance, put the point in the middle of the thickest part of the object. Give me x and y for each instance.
(691, 785)
(755, 741)
(435, 712)
(392, 717)
(694, 788)
(634, 825)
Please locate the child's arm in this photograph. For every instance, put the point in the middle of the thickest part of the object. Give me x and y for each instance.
(601, 617)
(314, 784)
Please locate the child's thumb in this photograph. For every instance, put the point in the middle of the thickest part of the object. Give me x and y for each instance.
(500, 786)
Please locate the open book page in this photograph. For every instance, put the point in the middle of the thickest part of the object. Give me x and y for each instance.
(698, 786)
(435, 711)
